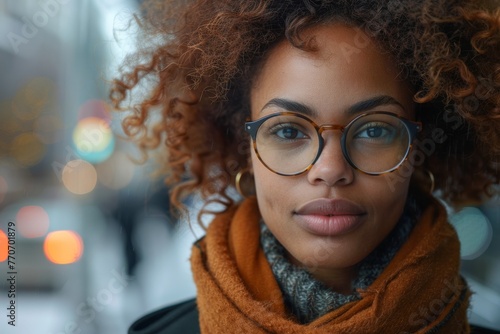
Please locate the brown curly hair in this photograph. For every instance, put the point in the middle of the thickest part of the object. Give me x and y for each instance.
(198, 59)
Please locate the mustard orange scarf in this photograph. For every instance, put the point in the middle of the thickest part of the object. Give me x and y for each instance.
(420, 291)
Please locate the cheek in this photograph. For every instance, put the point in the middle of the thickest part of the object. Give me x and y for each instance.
(385, 196)
(271, 190)
(262, 181)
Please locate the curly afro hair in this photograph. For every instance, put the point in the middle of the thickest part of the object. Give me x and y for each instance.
(198, 59)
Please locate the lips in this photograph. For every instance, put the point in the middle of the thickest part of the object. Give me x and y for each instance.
(329, 207)
(331, 217)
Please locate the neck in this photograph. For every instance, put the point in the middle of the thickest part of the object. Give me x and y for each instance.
(338, 280)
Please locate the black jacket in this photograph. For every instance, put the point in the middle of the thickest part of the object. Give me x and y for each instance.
(182, 318)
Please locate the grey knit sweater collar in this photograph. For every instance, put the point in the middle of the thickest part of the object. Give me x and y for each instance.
(305, 297)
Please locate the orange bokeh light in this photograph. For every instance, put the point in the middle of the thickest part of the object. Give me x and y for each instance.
(3, 246)
(27, 149)
(63, 247)
(32, 221)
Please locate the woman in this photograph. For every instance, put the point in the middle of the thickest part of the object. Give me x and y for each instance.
(336, 121)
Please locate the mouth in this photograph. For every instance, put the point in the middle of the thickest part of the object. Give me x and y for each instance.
(330, 217)
(330, 207)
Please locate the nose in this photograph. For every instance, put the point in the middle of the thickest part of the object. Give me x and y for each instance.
(331, 168)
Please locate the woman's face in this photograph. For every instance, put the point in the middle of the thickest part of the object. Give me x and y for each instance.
(332, 216)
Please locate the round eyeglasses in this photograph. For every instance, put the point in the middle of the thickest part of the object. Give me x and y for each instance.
(375, 143)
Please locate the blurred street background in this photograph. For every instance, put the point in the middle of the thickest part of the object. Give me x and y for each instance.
(95, 244)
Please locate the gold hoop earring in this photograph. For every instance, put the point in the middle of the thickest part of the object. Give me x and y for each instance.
(431, 177)
(245, 183)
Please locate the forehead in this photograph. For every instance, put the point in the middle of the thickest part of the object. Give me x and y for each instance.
(344, 68)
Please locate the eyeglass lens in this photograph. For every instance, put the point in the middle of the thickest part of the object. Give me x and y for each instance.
(374, 143)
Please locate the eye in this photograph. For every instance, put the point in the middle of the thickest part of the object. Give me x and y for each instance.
(376, 131)
(288, 132)
(373, 132)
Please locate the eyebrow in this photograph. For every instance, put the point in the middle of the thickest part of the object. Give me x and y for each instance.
(358, 107)
(373, 102)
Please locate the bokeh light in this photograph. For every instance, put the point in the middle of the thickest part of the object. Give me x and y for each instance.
(4, 187)
(3, 246)
(116, 172)
(79, 177)
(93, 139)
(37, 96)
(95, 108)
(32, 221)
(27, 149)
(9, 125)
(63, 247)
(474, 231)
